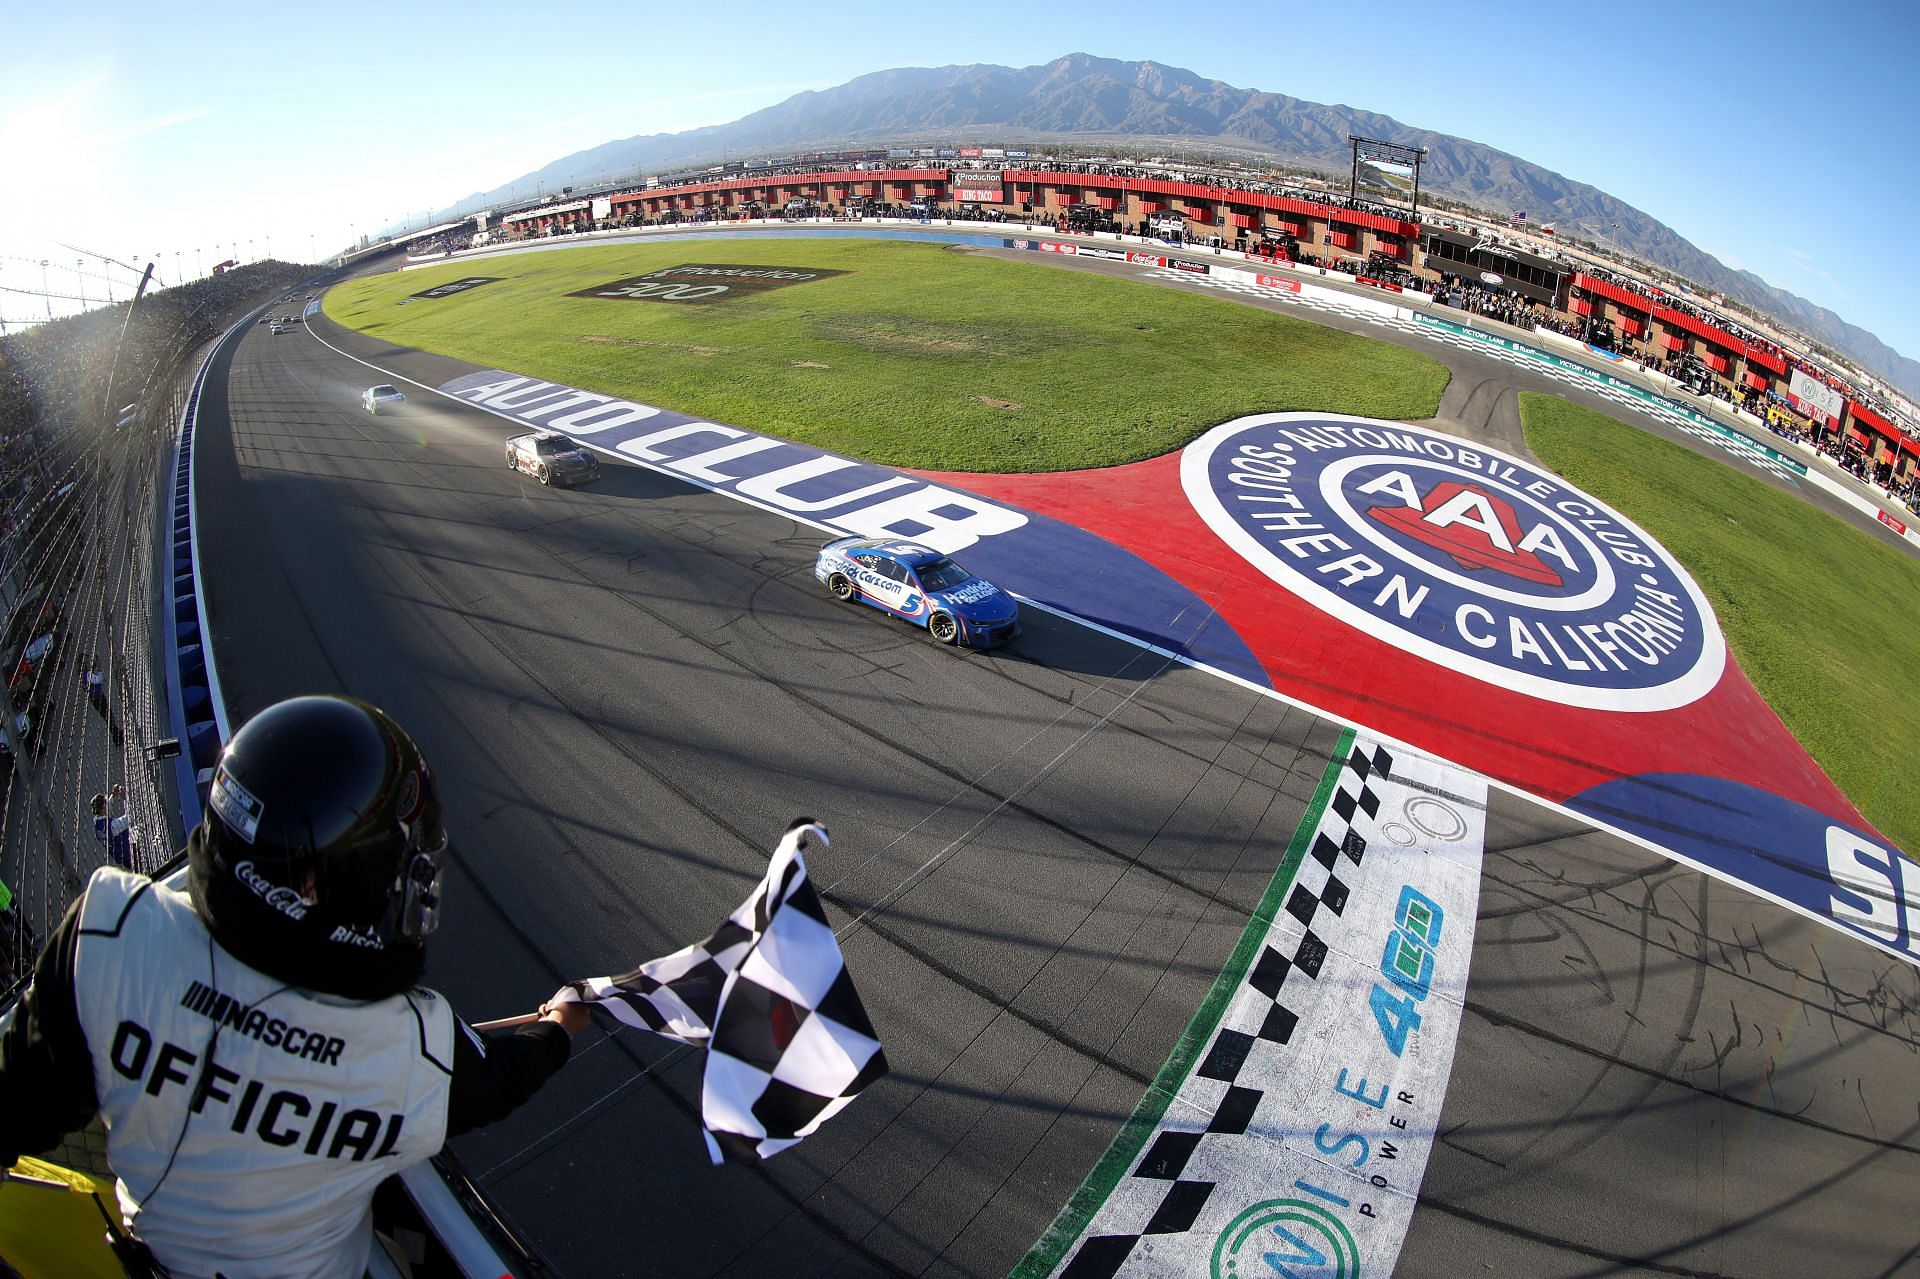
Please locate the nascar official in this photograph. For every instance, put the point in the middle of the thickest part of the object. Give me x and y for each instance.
(258, 1045)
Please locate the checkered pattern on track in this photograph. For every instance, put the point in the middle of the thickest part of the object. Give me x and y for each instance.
(1166, 1189)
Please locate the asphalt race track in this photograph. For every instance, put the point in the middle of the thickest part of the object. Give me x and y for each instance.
(1049, 850)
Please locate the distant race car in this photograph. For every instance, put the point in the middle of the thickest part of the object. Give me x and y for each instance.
(23, 729)
(922, 585)
(33, 658)
(552, 458)
(375, 398)
(275, 329)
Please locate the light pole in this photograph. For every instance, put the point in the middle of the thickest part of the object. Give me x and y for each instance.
(46, 290)
(79, 267)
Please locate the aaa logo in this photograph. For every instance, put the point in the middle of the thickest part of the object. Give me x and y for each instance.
(1477, 530)
(1463, 555)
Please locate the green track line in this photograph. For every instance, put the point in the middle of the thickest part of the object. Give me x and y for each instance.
(1140, 1125)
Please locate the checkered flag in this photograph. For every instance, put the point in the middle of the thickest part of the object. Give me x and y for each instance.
(769, 996)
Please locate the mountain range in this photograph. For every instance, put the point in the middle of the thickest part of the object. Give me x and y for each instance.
(1081, 100)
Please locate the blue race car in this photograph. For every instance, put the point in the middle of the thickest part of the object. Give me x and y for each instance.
(921, 585)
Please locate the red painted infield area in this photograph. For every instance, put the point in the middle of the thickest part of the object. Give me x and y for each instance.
(1552, 750)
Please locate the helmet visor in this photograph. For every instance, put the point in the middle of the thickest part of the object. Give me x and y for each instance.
(421, 880)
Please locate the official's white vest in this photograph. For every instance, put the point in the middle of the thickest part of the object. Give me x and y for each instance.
(278, 1132)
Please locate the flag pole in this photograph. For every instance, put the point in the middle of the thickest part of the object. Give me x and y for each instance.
(504, 1022)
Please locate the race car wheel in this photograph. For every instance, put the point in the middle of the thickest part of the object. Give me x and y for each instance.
(944, 628)
(511, 464)
(842, 587)
(540, 473)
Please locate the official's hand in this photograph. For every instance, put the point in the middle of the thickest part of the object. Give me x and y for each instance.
(571, 1017)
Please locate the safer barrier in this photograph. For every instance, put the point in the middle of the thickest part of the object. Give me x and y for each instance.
(196, 710)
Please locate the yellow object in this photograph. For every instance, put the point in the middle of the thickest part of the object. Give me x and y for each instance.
(51, 1225)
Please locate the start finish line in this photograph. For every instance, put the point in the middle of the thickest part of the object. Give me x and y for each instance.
(1290, 1129)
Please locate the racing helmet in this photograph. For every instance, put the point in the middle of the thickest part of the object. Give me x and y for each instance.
(322, 852)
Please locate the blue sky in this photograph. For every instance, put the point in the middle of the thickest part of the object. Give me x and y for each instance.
(135, 130)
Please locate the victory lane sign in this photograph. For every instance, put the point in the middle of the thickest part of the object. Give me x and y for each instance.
(703, 282)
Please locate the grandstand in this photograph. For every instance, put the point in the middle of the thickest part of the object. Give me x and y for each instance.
(88, 411)
(1483, 263)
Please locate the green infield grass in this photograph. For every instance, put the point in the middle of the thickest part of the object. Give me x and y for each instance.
(1821, 616)
(921, 355)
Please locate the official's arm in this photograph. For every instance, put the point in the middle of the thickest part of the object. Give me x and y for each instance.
(493, 1075)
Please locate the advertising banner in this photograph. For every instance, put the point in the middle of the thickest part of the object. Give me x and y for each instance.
(977, 187)
(547, 211)
(840, 494)
(1814, 397)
